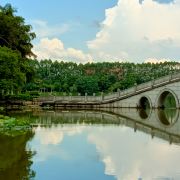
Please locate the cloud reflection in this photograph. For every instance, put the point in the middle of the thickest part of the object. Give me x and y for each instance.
(126, 155)
(55, 136)
(51, 138)
(129, 155)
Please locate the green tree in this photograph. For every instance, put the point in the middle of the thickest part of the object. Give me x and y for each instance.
(14, 33)
(11, 76)
(87, 85)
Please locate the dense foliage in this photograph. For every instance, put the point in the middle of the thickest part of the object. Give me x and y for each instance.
(93, 77)
(14, 33)
(14, 71)
(15, 46)
(11, 76)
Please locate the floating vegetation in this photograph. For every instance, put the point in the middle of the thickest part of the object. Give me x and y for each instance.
(12, 126)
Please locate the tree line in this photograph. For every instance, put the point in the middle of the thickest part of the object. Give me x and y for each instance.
(93, 77)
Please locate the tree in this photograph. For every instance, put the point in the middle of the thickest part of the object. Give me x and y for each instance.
(87, 85)
(11, 76)
(14, 33)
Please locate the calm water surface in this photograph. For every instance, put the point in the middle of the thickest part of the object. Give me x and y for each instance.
(90, 145)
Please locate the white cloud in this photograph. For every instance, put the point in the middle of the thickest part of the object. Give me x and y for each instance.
(156, 61)
(137, 31)
(43, 29)
(54, 49)
(50, 47)
(103, 56)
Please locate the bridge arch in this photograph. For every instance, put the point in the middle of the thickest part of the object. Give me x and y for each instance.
(162, 97)
(144, 102)
(144, 105)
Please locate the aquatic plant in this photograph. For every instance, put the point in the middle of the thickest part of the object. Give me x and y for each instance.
(13, 126)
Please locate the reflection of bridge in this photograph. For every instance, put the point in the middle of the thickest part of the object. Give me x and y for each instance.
(153, 124)
(153, 93)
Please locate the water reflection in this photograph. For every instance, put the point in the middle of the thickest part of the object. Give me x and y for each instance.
(130, 156)
(15, 159)
(67, 154)
(168, 117)
(103, 144)
(144, 113)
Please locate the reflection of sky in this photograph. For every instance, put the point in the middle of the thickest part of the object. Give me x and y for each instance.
(95, 152)
(68, 156)
(135, 156)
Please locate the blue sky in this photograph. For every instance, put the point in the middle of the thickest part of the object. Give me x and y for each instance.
(83, 16)
(103, 30)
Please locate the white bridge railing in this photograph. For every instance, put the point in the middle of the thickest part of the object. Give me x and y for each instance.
(113, 96)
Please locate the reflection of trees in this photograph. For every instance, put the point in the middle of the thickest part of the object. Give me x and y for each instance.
(74, 117)
(15, 160)
(71, 117)
(168, 116)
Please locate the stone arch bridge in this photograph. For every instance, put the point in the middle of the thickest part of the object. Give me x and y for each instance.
(152, 93)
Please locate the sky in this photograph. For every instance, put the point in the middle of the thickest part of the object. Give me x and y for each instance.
(103, 30)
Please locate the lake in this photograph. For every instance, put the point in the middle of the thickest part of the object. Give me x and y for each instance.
(123, 144)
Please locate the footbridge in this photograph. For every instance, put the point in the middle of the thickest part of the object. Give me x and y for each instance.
(152, 93)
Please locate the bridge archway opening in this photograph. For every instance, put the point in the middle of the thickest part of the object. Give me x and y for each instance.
(167, 100)
(144, 103)
(144, 107)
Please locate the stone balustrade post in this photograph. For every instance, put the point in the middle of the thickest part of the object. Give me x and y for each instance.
(85, 97)
(135, 87)
(119, 92)
(102, 96)
(170, 77)
(152, 83)
(64, 94)
(79, 94)
(70, 96)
